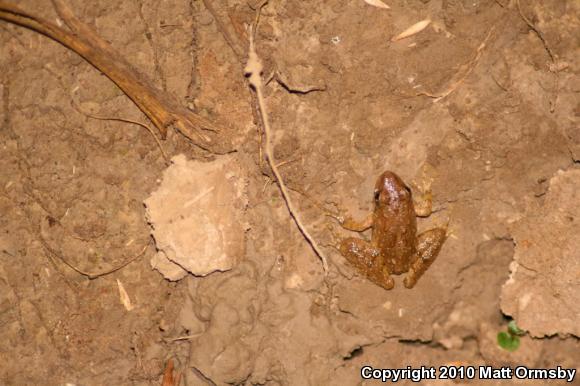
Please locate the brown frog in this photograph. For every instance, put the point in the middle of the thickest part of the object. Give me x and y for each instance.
(395, 247)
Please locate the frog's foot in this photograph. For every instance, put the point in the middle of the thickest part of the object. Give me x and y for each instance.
(367, 260)
(385, 280)
(428, 246)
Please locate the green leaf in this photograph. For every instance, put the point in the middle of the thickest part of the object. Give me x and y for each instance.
(514, 329)
(507, 341)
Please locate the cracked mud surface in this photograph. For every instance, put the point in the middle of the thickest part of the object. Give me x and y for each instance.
(344, 107)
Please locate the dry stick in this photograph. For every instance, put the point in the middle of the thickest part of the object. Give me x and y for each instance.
(550, 53)
(254, 70)
(160, 107)
(470, 67)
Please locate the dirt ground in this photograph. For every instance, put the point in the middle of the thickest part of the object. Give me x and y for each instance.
(500, 150)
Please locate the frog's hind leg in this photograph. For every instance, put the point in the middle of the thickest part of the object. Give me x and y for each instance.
(367, 260)
(428, 246)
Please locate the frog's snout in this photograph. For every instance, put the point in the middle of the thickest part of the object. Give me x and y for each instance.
(390, 188)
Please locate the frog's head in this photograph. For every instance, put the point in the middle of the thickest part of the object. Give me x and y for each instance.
(391, 191)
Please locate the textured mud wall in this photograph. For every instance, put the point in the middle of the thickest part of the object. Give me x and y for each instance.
(542, 292)
(500, 153)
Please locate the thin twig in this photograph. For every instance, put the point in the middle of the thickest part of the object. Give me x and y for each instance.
(90, 275)
(536, 31)
(254, 71)
(150, 130)
(553, 57)
(470, 67)
(258, 10)
(231, 38)
(183, 337)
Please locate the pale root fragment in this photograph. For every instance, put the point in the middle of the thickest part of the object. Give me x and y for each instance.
(412, 30)
(196, 215)
(377, 3)
(124, 297)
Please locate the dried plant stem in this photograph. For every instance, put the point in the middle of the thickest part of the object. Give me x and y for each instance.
(467, 70)
(161, 108)
(150, 130)
(254, 70)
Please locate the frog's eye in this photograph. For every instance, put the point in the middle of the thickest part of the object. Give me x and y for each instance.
(377, 194)
(407, 189)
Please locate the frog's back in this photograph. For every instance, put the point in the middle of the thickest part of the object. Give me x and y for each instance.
(397, 241)
(395, 224)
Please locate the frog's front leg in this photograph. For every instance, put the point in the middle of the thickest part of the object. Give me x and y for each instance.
(357, 226)
(423, 203)
(428, 246)
(347, 222)
(367, 260)
(422, 196)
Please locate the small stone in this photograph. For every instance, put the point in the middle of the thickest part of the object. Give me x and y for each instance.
(196, 215)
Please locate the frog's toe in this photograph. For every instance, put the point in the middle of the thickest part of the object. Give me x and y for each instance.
(410, 280)
(428, 247)
(387, 281)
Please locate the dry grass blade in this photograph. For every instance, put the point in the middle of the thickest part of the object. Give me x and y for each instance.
(124, 296)
(412, 30)
(160, 107)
